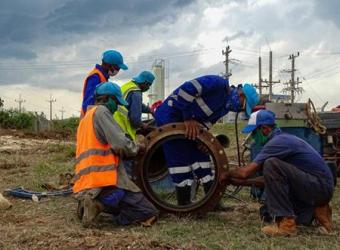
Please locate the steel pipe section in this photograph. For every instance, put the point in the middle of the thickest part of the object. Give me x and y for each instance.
(152, 166)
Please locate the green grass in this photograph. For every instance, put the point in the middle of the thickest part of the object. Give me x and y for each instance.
(52, 223)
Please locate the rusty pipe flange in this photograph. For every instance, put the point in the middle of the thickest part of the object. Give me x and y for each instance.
(177, 131)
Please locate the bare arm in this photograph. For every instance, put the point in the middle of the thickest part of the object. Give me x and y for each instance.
(245, 172)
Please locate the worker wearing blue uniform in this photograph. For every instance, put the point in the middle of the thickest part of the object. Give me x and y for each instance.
(199, 102)
(112, 62)
(297, 181)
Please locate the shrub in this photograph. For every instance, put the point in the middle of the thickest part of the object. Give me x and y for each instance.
(67, 126)
(15, 120)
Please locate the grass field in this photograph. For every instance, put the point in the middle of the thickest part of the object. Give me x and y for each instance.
(52, 223)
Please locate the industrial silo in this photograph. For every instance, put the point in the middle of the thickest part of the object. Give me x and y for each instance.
(156, 91)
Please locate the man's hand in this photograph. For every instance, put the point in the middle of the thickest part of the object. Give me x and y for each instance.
(224, 178)
(192, 129)
(141, 142)
(144, 126)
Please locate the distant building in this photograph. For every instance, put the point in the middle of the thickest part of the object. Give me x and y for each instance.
(156, 91)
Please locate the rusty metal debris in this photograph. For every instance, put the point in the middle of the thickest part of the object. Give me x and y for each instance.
(143, 167)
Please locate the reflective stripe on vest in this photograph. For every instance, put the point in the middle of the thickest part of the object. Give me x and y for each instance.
(95, 163)
(121, 117)
(102, 78)
(129, 87)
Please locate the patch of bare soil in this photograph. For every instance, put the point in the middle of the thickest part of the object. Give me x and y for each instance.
(11, 144)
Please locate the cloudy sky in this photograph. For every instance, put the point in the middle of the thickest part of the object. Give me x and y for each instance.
(49, 46)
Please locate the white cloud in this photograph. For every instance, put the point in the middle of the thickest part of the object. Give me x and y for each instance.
(60, 43)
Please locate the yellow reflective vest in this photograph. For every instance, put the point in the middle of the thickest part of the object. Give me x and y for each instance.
(121, 117)
(129, 87)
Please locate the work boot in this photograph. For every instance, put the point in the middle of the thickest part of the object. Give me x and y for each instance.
(207, 186)
(220, 206)
(323, 216)
(91, 208)
(183, 195)
(285, 227)
(149, 222)
(80, 209)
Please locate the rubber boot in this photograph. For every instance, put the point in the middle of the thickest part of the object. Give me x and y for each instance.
(285, 227)
(323, 216)
(91, 208)
(207, 186)
(183, 195)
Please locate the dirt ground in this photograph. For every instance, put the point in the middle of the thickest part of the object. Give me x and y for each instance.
(51, 223)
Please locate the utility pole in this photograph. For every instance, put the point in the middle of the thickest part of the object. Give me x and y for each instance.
(260, 76)
(62, 111)
(293, 85)
(51, 101)
(226, 53)
(270, 82)
(20, 101)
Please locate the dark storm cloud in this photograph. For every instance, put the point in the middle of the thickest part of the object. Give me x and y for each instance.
(44, 23)
(328, 10)
(83, 16)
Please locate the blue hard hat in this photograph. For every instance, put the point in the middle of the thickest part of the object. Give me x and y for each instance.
(112, 89)
(144, 76)
(115, 58)
(261, 117)
(252, 98)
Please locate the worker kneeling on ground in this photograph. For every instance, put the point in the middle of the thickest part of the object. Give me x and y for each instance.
(101, 183)
(198, 103)
(297, 181)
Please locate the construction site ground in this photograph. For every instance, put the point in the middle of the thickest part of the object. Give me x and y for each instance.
(28, 161)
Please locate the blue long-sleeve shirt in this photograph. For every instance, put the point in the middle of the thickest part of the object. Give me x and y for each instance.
(136, 107)
(205, 99)
(295, 151)
(91, 83)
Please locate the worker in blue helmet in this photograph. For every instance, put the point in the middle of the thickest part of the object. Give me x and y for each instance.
(112, 62)
(199, 102)
(101, 182)
(298, 183)
(133, 93)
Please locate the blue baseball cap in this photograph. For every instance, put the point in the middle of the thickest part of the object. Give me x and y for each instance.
(144, 76)
(252, 98)
(112, 89)
(113, 57)
(258, 118)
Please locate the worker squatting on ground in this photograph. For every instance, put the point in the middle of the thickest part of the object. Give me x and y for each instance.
(112, 62)
(297, 181)
(198, 103)
(101, 183)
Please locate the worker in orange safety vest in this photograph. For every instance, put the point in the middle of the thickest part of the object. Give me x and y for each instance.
(100, 181)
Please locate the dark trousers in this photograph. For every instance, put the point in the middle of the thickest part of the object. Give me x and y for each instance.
(293, 192)
(132, 207)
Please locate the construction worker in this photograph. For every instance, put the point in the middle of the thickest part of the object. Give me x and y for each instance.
(101, 182)
(198, 103)
(132, 92)
(297, 181)
(112, 62)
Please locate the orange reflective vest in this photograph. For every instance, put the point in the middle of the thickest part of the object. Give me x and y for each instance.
(102, 78)
(96, 165)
